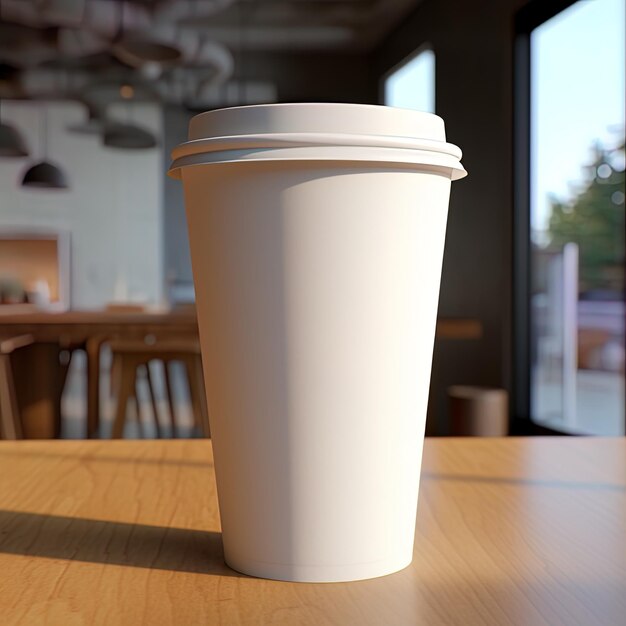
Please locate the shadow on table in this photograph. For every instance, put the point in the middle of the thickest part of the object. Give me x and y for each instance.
(113, 543)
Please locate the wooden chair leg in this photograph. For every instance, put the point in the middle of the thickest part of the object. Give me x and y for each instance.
(153, 400)
(124, 384)
(170, 397)
(114, 375)
(65, 360)
(10, 425)
(135, 401)
(193, 365)
(93, 347)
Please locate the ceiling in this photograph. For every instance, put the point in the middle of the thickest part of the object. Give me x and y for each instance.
(320, 25)
(172, 50)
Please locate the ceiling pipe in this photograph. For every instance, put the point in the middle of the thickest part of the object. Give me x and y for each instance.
(99, 16)
(77, 42)
(176, 11)
(152, 42)
(61, 12)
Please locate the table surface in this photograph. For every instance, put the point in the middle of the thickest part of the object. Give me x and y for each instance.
(447, 328)
(103, 316)
(509, 531)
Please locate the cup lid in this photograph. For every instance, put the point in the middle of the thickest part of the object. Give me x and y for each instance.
(325, 118)
(318, 131)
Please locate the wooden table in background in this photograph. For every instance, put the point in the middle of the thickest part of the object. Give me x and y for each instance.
(509, 532)
(36, 369)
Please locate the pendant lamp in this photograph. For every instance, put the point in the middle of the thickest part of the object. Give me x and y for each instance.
(44, 175)
(128, 136)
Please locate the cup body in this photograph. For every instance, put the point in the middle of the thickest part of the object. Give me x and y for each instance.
(317, 284)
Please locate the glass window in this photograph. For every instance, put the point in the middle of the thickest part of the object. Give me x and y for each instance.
(577, 219)
(412, 85)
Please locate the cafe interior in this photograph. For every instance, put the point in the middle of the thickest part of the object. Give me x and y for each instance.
(96, 286)
(98, 323)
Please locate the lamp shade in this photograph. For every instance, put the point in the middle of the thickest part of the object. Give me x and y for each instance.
(128, 136)
(135, 51)
(44, 175)
(11, 142)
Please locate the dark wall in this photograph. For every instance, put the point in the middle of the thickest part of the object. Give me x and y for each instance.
(308, 77)
(473, 43)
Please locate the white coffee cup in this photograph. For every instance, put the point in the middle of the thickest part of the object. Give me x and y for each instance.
(317, 235)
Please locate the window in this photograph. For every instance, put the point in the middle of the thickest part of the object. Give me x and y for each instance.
(412, 85)
(576, 219)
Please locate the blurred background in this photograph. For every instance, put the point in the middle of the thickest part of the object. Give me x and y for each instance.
(97, 323)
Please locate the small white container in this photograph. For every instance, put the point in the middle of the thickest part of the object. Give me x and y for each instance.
(317, 235)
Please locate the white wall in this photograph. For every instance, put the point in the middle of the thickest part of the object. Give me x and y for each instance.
(113, 208)
(177, 258)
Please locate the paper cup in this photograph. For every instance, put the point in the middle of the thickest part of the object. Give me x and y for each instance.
(317, 235)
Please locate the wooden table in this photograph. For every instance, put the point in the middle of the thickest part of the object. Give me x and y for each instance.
(36, 369)
(509, 532)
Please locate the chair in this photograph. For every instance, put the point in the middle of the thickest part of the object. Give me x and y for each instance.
(10, 423)
(132, 355)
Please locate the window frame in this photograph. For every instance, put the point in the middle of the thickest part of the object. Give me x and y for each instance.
(527, 19)
(424, 47)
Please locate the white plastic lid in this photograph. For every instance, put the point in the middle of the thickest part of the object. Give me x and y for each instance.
(321, 131)
(325, 118)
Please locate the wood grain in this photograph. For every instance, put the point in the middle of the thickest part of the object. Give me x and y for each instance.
(510, 531)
